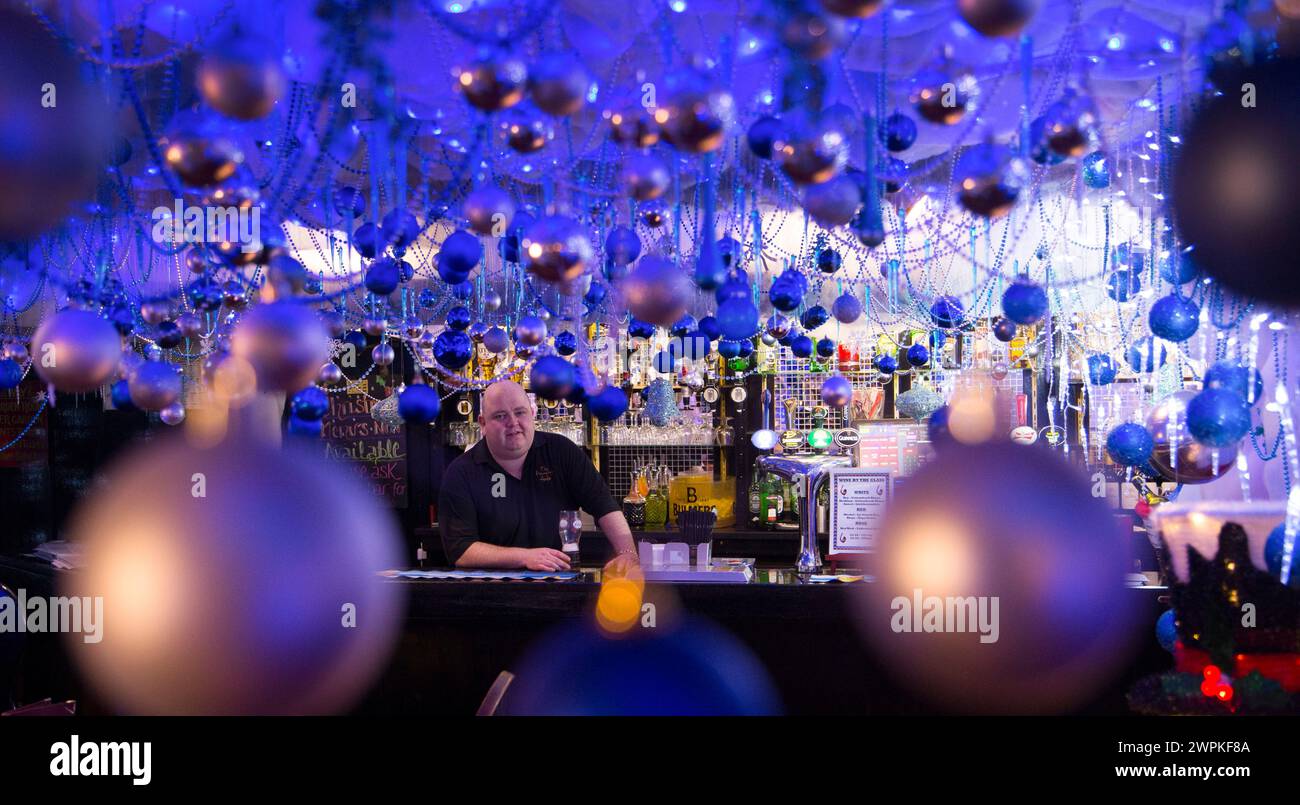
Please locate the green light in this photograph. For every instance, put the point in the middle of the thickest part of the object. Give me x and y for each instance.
(820, 438)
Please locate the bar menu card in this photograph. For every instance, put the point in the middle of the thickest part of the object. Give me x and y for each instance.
(858, 497)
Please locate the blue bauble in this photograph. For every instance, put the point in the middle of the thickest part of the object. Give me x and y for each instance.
(801, 346)
(936, 427)
(1142, 355)
(1101, 369)
(305, 427)
(829, 261)
(1231, 375)
(428, 298)
(1218, 417)
(640, 329)
(729, 349)
(459, 318)
(418, 404)
(900, 132)
(356, 338)
(1123, 285)
(595, 294)
(738, 318)
(814, 317)
(711, 327)
(683, 326)
(746, 349)
(349, 201)
(11, 374)
(1273, 549)
(552, 377)
(460, 253)
(1130, 444)
(311, 404)
(400, 229)
(947, 312)
(789, 337)
(622, 246)
(1096, 173)
(664, 361)
(1167, 630)
(846, 308)
(1038, 150)
(1174, 318)
(453, 349)
(918, 355)
(496, 340)
(447, 271)
(886, 364)
(463, 291)
(1024, 302)
(825, 348)
(762, 136)
(729, 251)
(1179, 269)
(733, 288)
(366, 240)
(607, 404)
(1004, 329)
(121, 393)
(785, 294)
(566, 343)
(578, 395)
(837, 391)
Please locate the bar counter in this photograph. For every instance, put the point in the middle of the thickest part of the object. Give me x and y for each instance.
(459, 634)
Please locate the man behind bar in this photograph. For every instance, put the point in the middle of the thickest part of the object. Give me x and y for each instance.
(500, 501)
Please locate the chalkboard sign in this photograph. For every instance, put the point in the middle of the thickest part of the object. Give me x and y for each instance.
(374, 450)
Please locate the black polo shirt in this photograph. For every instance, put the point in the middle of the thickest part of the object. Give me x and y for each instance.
(481, 502)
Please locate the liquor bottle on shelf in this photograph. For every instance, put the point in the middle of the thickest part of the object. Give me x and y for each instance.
(755, 498)
(771, 501)
(656, 502)
(634, 505)
(788, 520)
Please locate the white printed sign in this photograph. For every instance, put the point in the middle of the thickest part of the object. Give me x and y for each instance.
(858, 497)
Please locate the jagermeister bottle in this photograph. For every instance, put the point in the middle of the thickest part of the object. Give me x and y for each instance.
(789, 517)
(634, 506)
(656, 502)
(771, 502)
(755, 498)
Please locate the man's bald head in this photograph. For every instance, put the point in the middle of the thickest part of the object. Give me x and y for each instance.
(506, 416)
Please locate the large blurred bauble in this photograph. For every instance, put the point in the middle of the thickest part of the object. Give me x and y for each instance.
(526, 129)
(811, 35)
(1234, 185)
(833, 203)
(1070, 126)
(76, 351)
(695, 112)
(837, 391)
(558, 84)
(989, 179)
(644, 176)
(418, 404)
(810, 150)
(236, 580)
(1236, 377)
(997, 17)
(941, 97)
(855, 9)
(1177, 456)
(284, 342)
(1052, 562)
(691, 668)
(1174, 318)
(494, 83)
(56, 136)
(452, 349)
(657, 291)
(154, 385)
(556, 249)
(552, 378)
(1218, 417)
(607, 404)
(242, 78)
(489, 210)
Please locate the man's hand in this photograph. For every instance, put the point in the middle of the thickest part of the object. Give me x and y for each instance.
(545, 559)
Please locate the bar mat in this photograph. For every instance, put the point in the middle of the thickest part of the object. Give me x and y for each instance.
(495, 575)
